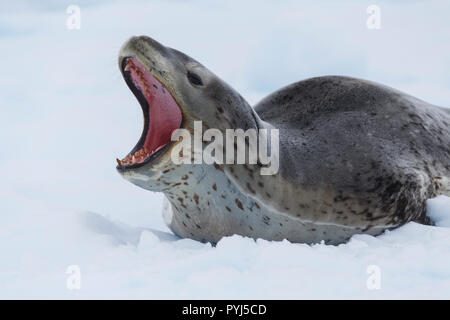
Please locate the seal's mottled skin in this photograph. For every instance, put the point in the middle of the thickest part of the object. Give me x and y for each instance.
(355, 157)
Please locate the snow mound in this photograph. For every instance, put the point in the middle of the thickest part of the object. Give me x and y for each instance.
(439, 211)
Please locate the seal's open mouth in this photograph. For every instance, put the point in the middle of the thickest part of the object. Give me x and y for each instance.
(162, 114)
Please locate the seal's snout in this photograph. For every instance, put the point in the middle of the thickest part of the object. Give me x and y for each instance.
(141, 46)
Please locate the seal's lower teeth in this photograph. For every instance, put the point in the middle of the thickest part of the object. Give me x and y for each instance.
(138, 157)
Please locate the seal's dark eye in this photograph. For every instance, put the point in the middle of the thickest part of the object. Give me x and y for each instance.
(194, 79)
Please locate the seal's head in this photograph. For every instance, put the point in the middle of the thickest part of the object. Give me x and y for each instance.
(174, 90)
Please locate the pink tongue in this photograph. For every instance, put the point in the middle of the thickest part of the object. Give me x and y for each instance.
(165, 115)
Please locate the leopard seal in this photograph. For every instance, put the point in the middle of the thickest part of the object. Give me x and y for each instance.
(354, 156)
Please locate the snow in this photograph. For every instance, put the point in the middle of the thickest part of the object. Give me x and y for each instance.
(120, 261)
(65, 114)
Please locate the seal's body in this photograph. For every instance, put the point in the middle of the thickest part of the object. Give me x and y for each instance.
(355, 156)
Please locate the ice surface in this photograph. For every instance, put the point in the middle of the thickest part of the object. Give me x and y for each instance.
(120, 261)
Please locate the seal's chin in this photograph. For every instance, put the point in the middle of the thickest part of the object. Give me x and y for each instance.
(162, 115)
